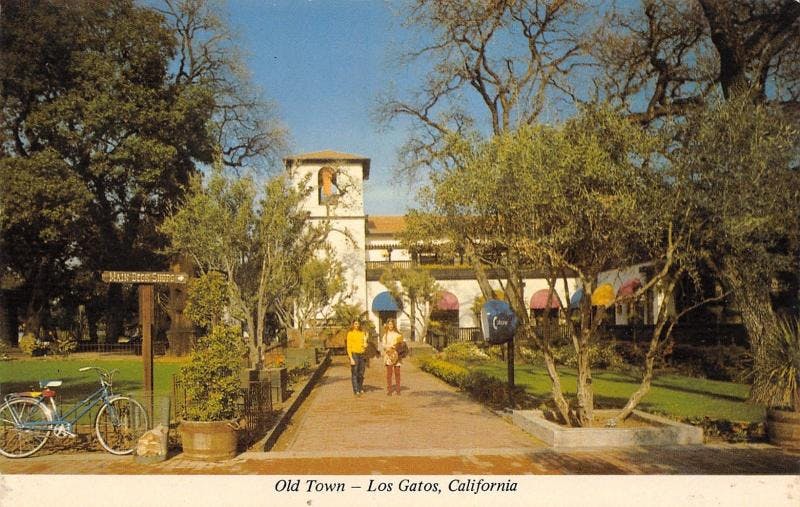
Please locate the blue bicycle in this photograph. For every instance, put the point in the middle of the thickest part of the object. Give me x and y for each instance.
(28, 419)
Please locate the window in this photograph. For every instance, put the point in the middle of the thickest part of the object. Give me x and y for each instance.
(329, 191)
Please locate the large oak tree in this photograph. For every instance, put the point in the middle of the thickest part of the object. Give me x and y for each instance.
(665, 58)
(97, 142)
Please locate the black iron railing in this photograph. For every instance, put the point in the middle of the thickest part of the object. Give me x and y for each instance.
(447, 335)
(159, 348)
(555, 332)
(389, 264)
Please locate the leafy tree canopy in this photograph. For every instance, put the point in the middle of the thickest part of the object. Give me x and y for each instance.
(97, 140)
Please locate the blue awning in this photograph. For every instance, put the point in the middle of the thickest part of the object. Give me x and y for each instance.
(385, 302)
(575, 300)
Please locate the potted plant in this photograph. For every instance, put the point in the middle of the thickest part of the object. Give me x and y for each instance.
(776, 383)
(212, 387)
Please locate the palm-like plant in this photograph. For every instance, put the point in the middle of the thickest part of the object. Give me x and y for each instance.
(776, 375)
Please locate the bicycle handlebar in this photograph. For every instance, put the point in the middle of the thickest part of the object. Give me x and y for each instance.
(105, 375)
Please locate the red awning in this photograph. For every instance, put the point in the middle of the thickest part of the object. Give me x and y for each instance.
(540, 297)
(629, 287)
(446, 301)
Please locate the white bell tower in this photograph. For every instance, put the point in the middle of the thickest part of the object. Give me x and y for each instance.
(338, 197)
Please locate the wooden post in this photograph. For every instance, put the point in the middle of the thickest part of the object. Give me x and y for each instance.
(146, 280)
(146, 319)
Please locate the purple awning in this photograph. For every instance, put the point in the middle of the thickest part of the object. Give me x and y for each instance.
(629, 287)
(446, 301)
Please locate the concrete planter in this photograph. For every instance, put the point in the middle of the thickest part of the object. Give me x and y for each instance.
(298, 357)
(279, 379)
(208, 440)
(661, 432)
(783, 428)
(247, 375)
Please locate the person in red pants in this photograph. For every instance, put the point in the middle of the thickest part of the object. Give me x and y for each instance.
(390, 357)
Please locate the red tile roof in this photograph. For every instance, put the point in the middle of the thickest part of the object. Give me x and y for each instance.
(330, 156)
(385, 224)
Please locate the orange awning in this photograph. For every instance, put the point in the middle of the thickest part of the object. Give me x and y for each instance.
(603, 295)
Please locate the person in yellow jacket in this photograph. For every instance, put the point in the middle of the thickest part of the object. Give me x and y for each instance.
(356, 344)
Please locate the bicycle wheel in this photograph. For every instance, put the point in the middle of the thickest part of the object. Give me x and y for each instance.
(24, 427)
(119, 424)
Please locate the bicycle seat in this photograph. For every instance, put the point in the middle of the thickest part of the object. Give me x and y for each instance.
(50, 383)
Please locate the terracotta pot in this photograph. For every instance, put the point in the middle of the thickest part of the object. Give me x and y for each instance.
(783, 428)
(208, 441)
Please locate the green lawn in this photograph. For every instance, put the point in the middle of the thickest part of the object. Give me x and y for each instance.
(675, 395)
(24, 374)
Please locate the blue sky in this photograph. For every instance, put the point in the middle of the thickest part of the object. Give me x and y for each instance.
(324, 63)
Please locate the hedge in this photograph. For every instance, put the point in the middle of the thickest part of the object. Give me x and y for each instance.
(479, 385)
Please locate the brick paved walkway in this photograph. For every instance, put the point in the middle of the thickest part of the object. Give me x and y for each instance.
(429, 415)
(430, 429)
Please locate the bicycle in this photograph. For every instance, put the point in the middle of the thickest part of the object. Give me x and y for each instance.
(27, 419)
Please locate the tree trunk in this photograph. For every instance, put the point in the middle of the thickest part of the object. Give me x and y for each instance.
(480, 273)
(180, 334)
(584, 392)
(751, 298)
(657, 338)
(114, 317)
(33, 319)
(647, 377)
(583, 389)
(556, 391)
(517, 302)
(91, 321)
(253, 350)
(413, 317)
(425, 322)
(7, 335)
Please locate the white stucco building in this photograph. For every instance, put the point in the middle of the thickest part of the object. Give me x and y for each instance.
(366, 245)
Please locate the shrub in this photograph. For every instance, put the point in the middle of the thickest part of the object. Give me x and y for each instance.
(28, 344)
(451, 373)
(634, 354)
(496, 351)
(529, 354)
(606, 357)
(603, 356)
(479, 385)
(211, 379)
(776, 372)
(5, 349)
(491, 390)
(274, 360)
(207, 298)
(464, 351)
(727, 362)
(64, 344)
(730, 431)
